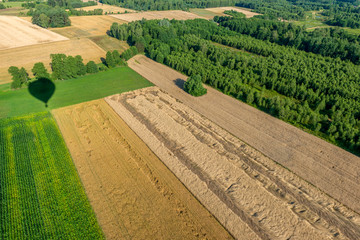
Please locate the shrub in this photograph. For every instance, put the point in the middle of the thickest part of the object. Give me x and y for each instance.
(194, 86)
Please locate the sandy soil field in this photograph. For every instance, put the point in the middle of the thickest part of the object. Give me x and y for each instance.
(87, 26)
(132, 192)
(220, 10)
(251, 195)
(29, 55)
(107, 8)
(173, 14)
(330, 168)
(16, 32)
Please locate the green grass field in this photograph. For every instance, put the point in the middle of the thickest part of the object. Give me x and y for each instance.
(68, 92)
(203, 13)
(41, 196)
(13, 4)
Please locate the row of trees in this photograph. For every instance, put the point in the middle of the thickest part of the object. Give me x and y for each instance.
(325, 41)
(319, 93)
(74, 12)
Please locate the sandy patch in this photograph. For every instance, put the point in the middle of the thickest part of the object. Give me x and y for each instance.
(29, 55)
(16, 32)
(220, 10)
(173, 14)
(248, 192)
(132, 192)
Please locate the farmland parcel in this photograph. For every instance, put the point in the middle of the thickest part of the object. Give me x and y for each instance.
(133, 194)
(41, 194)
(174, 14)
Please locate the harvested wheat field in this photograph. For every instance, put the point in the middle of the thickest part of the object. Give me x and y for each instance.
(16, 32)
(107, 8)
(132, 192)
(220, 10)
(173, 14)
(251, 195)
(330, 168)
(87, 26)
(29, 55)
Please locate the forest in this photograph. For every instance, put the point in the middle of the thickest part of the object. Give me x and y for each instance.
(46, 16)
(333, 42)
(315, 92)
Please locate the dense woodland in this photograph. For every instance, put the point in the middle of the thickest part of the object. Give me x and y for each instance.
(325, 41)
(319, 93)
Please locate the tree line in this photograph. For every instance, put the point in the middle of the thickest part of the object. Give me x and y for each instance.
(46, 16)
(309, 90)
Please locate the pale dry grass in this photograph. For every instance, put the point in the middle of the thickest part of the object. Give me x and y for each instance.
(107, 8)
(29, 55)
(173, 14)
(220, 11)
(133, 194)
(16, 32)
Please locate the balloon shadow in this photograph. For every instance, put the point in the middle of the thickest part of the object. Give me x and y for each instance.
(42, 89)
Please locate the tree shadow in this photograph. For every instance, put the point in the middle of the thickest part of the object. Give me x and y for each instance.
(180, 83)
(42, 89)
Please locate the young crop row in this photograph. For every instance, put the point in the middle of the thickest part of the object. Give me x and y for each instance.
(41, 196)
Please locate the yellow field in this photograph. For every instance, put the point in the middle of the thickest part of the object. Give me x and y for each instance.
(29, 55)
(173, 14)
(107, 8)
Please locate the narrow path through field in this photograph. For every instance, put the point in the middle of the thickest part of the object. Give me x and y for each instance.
(132, 192)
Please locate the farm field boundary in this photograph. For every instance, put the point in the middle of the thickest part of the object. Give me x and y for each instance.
(41, 193)
(172, 14)
(133, 194)
(328, 167)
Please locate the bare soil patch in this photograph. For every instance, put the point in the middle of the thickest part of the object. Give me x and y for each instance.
(132, 192)
(220, 10)
(29, 55)
(251, 195)
(107, 8)
(173, 14)
(16, 32)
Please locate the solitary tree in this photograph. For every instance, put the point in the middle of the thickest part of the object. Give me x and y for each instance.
(194, 86)
(91, 67)
(40, 71)
(110, 61)
(14, 71)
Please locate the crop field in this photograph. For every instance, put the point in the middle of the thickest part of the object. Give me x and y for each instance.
(331, 169)
(41, 194)
(109, 43)
(29, 55)
(205, 13)
(220, 10)
(133, 194)
(87, 26)
(107, 8)
(87, 88)
(173, 14)
(16, 32)
(251, 195)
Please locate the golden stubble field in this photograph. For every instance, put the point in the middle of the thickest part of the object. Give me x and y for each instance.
(16, 32)
(250, 194)
(107, 8)
(132, 192)
(220, 11)
(29, 55)
(172, 14)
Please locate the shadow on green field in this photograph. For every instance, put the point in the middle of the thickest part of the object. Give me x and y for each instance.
(42, 89)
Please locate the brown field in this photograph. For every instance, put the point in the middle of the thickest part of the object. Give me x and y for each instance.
(330, 168)
(220, 10)
(109, 43)
(107, 8)
(16, 32)
(132, 192)
(87, 26)
(251, 195)
(29, 55)
(173, 14)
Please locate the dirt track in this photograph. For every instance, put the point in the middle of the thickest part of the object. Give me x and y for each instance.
(16, 32)
(132, 192)
(333, 170)
(173, 14)
(262, 196)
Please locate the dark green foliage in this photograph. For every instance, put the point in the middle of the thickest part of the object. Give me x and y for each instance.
(66, 67)
(194, 86)
(70, 3)
(19, 76)
(91, 67)
(46, 16)
(110, 61)
(2, 6)
(39, 71)
(73, 12)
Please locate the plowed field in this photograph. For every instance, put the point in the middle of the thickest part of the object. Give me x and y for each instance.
(132, 192)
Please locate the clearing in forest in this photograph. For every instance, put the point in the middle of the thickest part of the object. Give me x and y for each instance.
(173, 14)
(251, 195)
(132, 192)
(220, 10)
(41, 193)
(110, 43)
(29, 55)
(16, 32)
(107, 8)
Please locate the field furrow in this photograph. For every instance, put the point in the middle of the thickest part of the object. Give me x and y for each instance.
(270, 200)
